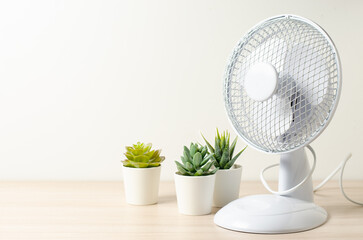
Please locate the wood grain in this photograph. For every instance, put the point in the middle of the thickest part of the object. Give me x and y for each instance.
(97, 210)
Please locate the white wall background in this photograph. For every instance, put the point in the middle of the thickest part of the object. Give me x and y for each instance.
(79, 80)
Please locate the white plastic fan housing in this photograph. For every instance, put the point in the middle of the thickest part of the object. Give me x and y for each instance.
(281, 89)
(270, 214)
(274, 213)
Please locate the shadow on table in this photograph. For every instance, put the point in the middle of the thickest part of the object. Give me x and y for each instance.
(167, 198)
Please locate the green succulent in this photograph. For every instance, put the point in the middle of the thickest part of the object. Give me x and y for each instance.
(223, 152)
(196, 161)
(140, 155)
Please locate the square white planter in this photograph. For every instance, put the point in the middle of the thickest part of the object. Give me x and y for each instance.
(194, 194)
(227, 185)
(141, 185)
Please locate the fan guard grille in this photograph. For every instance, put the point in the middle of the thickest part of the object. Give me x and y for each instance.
(309, 79)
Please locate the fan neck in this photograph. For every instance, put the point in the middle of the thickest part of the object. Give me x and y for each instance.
(294, 167)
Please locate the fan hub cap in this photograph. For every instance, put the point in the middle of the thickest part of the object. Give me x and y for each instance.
(261, 81)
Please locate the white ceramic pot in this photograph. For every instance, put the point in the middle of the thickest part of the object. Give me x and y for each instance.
(194, 194)
(227, 185)
(141, 185)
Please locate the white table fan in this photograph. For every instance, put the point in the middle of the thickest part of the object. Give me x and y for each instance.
(281, 88)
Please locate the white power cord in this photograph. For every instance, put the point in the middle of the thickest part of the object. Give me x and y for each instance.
(288, 191)
(331, 175)
(341, 168)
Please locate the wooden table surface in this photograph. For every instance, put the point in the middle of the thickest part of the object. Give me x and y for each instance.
(97, 210)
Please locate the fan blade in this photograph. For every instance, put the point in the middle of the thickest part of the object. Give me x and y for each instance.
(272, 51)
(300, 106)
(273, 116)
(312, 81)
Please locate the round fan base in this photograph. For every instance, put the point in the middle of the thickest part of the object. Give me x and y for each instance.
(270, 214)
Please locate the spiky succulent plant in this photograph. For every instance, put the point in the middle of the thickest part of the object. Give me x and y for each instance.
(140, 155)
(196, 161)
(223, 152)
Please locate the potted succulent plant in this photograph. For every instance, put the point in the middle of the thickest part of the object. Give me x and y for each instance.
(194, 181)
(228, 179)
(141, 172)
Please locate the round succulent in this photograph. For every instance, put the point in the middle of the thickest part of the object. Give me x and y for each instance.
(140, 155)
(196, 161)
